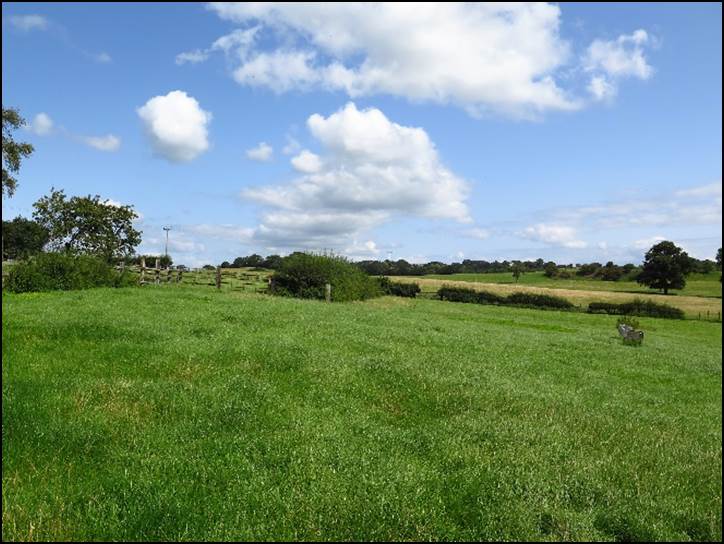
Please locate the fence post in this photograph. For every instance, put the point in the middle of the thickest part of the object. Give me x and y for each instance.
(327, 292)
(141, 278)
(218, 277)
(178, 275)
(157, 271)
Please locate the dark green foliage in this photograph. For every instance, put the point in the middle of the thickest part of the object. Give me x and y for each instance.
(23, 238)
(13, 152)
(530, 300)
(628, 320)
(665, 267)
(87, 225)
(164, 261)
(58, 271)
(639, 307)
(304, 275)
(588, 269)
(534, 300)
(409, 290)
(550, 269)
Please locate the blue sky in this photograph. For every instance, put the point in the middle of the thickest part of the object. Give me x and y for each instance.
(441, 132)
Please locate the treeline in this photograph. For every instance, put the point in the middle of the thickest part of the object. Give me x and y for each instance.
(594, 270)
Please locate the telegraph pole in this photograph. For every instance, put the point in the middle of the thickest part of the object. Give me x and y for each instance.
(167, 229)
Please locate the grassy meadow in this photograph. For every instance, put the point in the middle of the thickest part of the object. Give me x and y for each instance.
(697, 285)
(182, 413)
(585, 291)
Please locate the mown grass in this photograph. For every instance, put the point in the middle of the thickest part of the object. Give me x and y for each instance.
(695, 307)
(697, 285)
(165, 413)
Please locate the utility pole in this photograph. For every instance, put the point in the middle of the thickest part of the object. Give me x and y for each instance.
(167, 229)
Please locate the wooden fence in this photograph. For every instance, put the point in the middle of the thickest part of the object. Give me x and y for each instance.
(223, 279)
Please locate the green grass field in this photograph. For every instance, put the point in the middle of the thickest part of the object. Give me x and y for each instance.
(171, 412)
(697, 285)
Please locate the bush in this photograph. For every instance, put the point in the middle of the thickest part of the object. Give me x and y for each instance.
(627, 320)
(539, 301)
(531, 300)
(59, 271)
(397, 289)
(639, 307)
(304, 275)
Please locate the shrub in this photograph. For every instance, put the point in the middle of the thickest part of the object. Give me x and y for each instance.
(628, 320)
(59, 271)
(397, 289)
(304, 275)
(531, 300)
(535, 300)
(639, 307)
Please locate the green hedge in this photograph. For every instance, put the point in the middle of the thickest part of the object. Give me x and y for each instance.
(397, 289)
(529, 300)
(639, 307)
(59, 271)
(304, 275)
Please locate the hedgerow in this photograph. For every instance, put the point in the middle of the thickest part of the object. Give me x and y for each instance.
(638, 307)
(530, 300)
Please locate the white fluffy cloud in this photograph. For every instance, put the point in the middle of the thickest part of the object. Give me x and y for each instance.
(109, 142)
(28, 22)
(372, 170)
(609, 61)
(307, 162)
(176, 126)
(500, 57)
(262, 153)
(555, 235)
(42, 124)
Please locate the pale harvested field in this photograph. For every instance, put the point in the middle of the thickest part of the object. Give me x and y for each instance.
(693, 306)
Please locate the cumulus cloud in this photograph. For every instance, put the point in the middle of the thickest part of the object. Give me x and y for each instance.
(108, 142)
(28, 22)
(501, 57)
(610, 61)
(307, 162)
(42, 124)
(262, 152)
(372, 169)
(555, 235)
(176, 125)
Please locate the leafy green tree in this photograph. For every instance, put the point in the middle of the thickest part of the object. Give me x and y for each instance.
(87, 225)
(718, 258)
(517, 270)
(665, 267)
(23, 238)
(13, 152)
(550, 269)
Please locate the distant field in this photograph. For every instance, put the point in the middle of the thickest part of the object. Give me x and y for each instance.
(694, 306)
(182, 413)
(697, 285)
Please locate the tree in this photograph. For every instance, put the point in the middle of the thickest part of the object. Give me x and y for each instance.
(87, 225)
(23, 238)
(517, 270)
(13, 152)
(550, 269)
(665, 267)
(718, 258)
